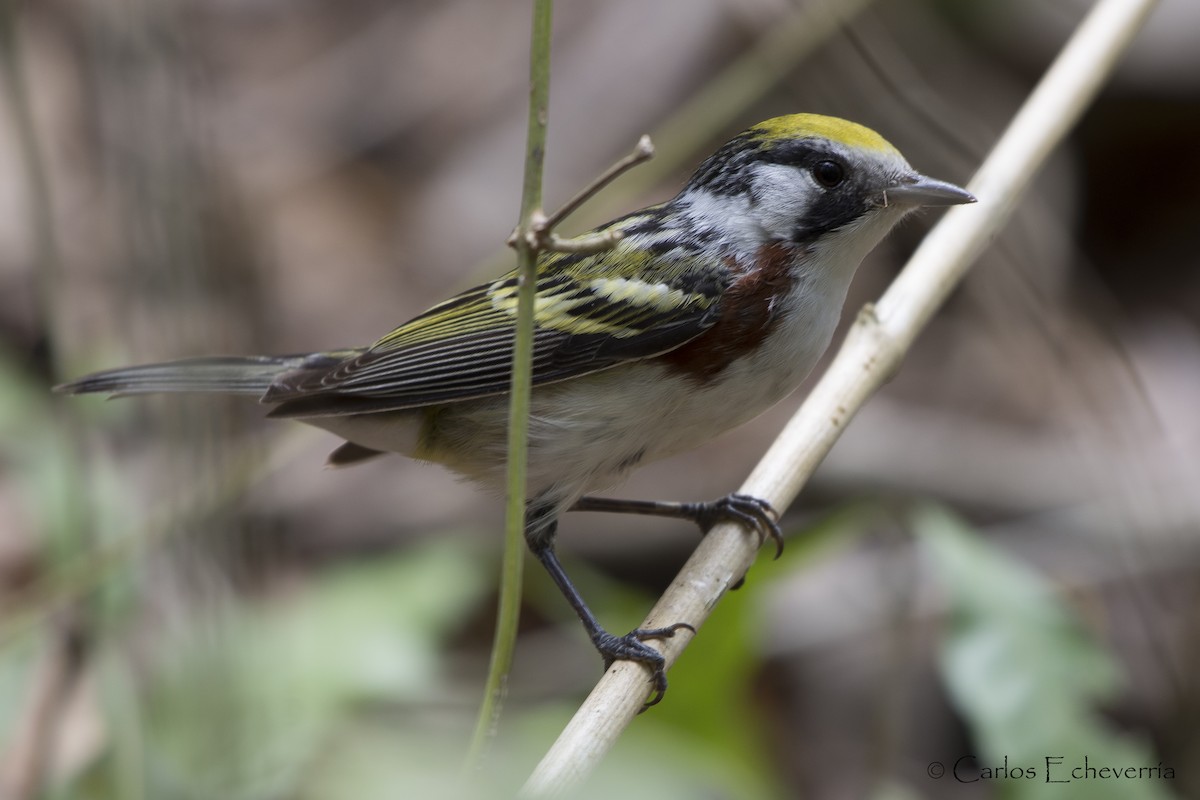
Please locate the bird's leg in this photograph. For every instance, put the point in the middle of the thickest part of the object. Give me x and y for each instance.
(539, 534)
(753, 513)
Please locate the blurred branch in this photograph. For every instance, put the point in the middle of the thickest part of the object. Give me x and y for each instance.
(35, 740)
(873, 351)
(40, 212)
(33, 746)
(900, 78)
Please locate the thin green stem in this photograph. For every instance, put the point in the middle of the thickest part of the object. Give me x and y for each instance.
(508, 614)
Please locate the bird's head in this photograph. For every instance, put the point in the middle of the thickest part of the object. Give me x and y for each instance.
(809, 179)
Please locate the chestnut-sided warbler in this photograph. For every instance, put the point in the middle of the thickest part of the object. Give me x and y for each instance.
(708, 309)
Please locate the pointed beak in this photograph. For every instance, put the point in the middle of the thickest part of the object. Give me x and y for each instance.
(920, 190)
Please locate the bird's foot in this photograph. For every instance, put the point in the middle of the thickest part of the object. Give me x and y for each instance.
(632, 647)
(744, 509)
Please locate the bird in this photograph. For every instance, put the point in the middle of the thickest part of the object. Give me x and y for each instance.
(706, 310)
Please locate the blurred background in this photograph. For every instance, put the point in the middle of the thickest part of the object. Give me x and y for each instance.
(997, 566)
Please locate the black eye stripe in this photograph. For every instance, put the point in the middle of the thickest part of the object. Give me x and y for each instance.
(827, 169)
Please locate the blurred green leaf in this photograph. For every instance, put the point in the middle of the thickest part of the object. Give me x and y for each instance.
(1027, 676)
(246, 702)
(18, 661)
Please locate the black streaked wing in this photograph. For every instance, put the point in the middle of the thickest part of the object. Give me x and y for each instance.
(462, 348)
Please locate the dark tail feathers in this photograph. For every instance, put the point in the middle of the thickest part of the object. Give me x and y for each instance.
(250, 375)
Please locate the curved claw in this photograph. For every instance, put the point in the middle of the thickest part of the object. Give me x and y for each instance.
(752, 512)
(630, 647)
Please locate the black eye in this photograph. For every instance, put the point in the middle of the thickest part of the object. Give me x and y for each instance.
(828, 173)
